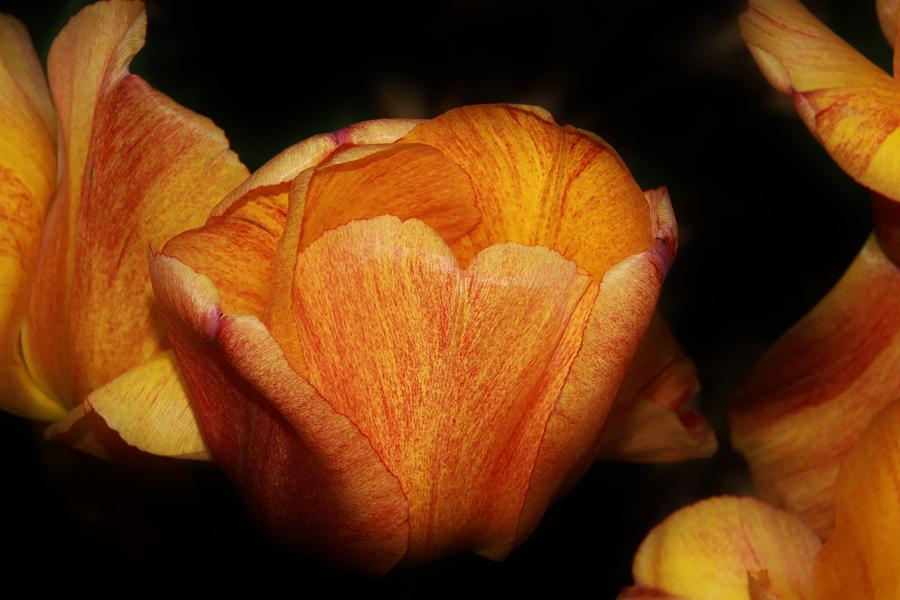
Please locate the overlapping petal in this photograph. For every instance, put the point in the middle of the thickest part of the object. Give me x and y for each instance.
(135, 169)
(648, 422)
(806, 404)
(849, 104)
(726, 549)
(860, 557)
(27, 181)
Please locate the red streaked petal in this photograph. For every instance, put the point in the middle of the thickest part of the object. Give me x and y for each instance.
(137, 169)
(306, 473)
(648, 422)
(27, 181)
(619, 317)
(848, 103)
(450, 374)
(807, 402)
(537, 183)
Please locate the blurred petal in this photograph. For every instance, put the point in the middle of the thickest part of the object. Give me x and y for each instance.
(722, 548)
(537, 183)
(849, 104)
(451, 375)
(137, 169)
(27, 180)
(307, 474)
(147, 407)
(619, 317)
(647, 422)
(814, 392)
(860, 558)
(887, 19)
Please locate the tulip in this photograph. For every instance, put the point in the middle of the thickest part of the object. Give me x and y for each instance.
(741, 548)
(89, 179)
(813, 394)
(403, 339)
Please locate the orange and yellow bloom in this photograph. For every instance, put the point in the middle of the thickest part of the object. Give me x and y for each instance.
(92, 170)
(403, 339)
(803, 408)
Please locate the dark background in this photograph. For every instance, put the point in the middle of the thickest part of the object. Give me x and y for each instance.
(767, 222)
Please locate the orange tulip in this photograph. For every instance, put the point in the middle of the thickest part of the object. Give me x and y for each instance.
(741, 548)
(403, 339)
(806, 404)
(87, 181)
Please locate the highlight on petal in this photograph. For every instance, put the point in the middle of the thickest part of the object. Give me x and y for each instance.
(451, 375)
(537, 183)
(647, 422)
(91, 316)
(860, 557)
(848, 103)
(27, 180)
(726, 548)
(306, 473)
(146, 408)
(805, 405)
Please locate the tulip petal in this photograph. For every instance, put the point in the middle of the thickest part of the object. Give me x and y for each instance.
(618, 319)
(137, 169)
(27, 180)
(848, 103)
(147, 407)
(360, 182)
(306, 472)
(727, 548)
(450, 374)
(860, 558)
(537, 183)
(807, 402)
(647, 422)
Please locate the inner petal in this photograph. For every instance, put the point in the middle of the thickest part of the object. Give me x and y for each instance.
(451, 374)
(537, 183)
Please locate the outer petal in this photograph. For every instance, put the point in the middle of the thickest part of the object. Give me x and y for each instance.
(306, 472)
(619, 317)
(860, 558)
(451, 375)
(647, 423)
(147, 408)
(137, 168)
(27, 179)
(537, 183)
(849, 104)
(815, 391)
(727, 549)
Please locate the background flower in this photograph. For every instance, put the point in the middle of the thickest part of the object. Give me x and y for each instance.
(81, 344)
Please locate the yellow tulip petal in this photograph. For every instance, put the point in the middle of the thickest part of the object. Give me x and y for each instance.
(647, 422)
(618, 319)
(537, 183)
(137, 169)
(306, 473)
(451, 375)
(849, 104)
(27, 180)
(147, 407)
(812, 395)
(860, 557)
(722, 548)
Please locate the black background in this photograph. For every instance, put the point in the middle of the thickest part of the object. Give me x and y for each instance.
(767, 222)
